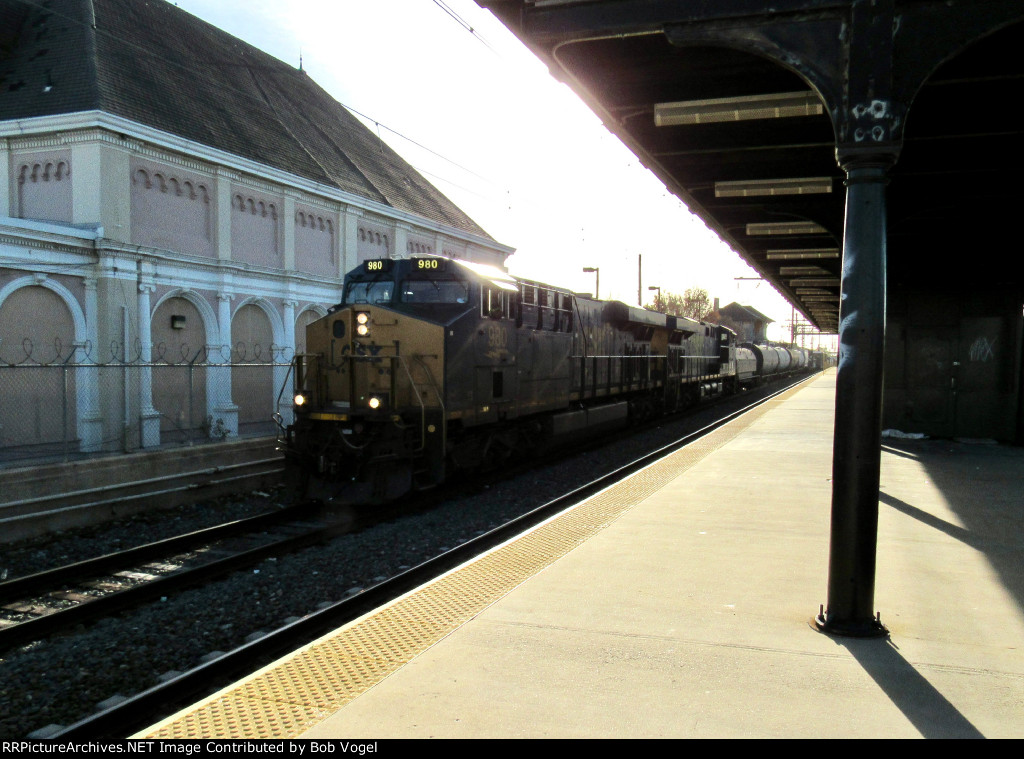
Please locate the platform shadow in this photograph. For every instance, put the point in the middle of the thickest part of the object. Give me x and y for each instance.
(982, 486)
(928, 710)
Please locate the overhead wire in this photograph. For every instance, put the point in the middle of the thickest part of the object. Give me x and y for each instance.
(464, 24)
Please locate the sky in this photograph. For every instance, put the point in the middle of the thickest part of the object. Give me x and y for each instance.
(481, 117)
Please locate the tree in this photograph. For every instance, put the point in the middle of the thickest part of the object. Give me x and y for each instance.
(694, 303)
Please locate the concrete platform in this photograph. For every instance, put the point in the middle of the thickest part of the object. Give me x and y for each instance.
(39, 499)
(685, 613)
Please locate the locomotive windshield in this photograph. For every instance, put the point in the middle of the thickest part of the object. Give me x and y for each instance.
(377, 292)
(434, 291)
(410, 284)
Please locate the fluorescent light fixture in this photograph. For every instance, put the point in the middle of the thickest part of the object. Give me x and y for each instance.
(776, 105)
(803, 271)
(786, 228)
(750, 188)
(554, 3)
(811, 282)
(799, 254)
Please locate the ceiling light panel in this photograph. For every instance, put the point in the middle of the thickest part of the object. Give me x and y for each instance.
(786, 228)
(768, 187)
(803, 271)
(801, 254)
(812, 282)
(775, 105)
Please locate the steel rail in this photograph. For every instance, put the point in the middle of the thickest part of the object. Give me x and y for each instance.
(16, 588)
(56, 621)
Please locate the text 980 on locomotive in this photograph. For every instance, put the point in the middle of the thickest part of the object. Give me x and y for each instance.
(433, 364)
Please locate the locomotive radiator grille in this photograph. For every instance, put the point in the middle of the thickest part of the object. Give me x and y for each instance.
(290, 696)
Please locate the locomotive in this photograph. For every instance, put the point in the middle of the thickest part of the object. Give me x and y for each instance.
(433, 364)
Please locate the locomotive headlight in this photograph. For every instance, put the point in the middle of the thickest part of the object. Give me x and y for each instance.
(362, 323)
(300, 399)
(374, 402)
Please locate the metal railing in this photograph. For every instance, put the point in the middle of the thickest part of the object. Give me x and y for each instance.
(72, 406)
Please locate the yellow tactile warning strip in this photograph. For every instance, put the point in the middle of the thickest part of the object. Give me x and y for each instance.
(292, 695)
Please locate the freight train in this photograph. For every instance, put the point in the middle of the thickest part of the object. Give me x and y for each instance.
(430, 365)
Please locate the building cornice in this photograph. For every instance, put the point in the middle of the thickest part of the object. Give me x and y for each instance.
(248, 271)
(27, 233)
(66, 129)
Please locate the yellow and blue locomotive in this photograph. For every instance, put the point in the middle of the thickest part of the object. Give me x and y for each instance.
(435, 364)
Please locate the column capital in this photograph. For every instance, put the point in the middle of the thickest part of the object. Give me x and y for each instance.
(851, 156)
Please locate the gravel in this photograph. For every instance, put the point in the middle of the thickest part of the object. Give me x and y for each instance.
(61, 680)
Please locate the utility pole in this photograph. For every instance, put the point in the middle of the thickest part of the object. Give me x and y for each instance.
(640, 280)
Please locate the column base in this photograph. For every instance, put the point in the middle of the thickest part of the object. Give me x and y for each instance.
(90, 433)
(224, 422)
(149, 428)
(867, 628)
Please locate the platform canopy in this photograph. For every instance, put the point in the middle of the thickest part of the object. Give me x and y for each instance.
(742, 108)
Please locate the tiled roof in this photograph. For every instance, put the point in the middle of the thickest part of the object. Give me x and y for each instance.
(744, 313)
(151, 62)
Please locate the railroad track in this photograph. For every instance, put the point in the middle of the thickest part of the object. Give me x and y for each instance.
(49, 602)
(42, 514)
(150, 705)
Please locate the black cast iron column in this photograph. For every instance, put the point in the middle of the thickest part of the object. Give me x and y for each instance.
(856, 455)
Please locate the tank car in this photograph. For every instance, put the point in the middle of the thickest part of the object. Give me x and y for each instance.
(434, 364)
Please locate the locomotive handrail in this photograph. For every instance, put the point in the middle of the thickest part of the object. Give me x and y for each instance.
(419, 399)
(278, 419)
(586, 346)
(623, 355)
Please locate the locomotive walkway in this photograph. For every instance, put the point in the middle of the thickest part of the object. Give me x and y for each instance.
(678, 604)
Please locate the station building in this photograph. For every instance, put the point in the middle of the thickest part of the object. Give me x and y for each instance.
(175, 207)
(749, 324)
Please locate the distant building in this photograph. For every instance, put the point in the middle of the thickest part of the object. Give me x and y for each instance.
(170, 195)
(749, 324)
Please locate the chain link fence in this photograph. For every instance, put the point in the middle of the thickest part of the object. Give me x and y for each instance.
(56, 403)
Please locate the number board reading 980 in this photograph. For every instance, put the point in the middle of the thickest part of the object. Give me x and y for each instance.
(377, 265)
(429, 264)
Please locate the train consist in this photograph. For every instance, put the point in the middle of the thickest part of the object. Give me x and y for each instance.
(432, 364)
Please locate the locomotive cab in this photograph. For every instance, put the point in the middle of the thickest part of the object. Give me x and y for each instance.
(372, 399)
